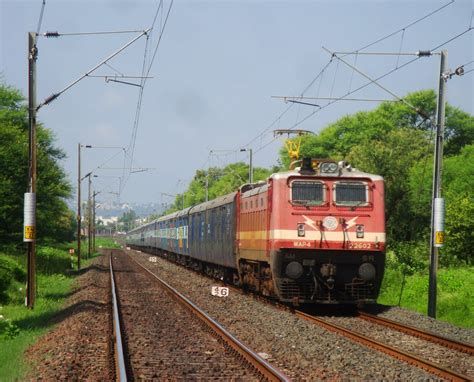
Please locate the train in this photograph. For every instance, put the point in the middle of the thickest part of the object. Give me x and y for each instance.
(312, 235)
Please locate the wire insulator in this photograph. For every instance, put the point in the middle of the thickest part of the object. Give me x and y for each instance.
(52, 34)
(459, 71)
(424, 53)
(51, 98)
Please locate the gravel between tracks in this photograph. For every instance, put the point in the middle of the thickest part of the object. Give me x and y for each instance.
(166, 341)
(423, 322)
(300, 349)
(457, 361)
(79, 347)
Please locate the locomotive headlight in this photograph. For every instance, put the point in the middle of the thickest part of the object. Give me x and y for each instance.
(300, 229)
(367, 271)
(328, 167)
(294, 270)
(360, 231)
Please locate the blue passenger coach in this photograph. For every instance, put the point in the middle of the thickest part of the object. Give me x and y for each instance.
(205, 232)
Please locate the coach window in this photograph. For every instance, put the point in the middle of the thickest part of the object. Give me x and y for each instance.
(308, 193)
(351, 194)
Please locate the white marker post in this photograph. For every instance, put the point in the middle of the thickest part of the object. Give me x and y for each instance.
(29, 221)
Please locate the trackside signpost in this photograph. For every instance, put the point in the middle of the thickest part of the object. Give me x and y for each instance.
(29, 223)
(219, 291)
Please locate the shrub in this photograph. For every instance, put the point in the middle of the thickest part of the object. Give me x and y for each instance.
(51, 260)
(10, 270)
(408, 256)
(8, 329)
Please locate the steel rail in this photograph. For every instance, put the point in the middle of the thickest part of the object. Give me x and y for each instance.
(261, 365)
(412, 359)
(119, 352)
(425, 335)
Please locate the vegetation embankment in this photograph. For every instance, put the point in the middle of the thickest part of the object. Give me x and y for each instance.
(19, 326)
(409, 289)
(56, 225)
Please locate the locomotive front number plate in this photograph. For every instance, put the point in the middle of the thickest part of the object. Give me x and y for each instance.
(219, 291)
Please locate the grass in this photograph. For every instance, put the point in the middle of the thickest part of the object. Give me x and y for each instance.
(24, 326)
(21, 327)
(455, 297)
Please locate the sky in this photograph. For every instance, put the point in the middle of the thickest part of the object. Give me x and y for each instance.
(215, 72)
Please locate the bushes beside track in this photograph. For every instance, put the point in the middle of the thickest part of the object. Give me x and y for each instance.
(410, 291)
(19, 326)
(10, 271)
(49, 261)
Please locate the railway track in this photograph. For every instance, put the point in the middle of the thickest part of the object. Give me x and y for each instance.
(119, 353)
(402, 355)
(425, 335)
(172, 338)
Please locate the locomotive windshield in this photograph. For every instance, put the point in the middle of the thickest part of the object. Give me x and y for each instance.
(307, 193)
(350, 194)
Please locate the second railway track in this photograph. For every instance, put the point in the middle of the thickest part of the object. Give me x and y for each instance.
(165, 340)
(345, 327)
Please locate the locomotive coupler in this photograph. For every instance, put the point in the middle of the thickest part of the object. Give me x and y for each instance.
(328, 271)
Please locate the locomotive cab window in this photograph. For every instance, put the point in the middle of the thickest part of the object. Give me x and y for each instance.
(351, 194)
(307, 193)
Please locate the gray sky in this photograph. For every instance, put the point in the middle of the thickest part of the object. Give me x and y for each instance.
(217, 66)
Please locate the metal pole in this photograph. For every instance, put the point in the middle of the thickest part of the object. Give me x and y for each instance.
(250, 168)
(437, 172)
(89, 213)
(78, 206)
(93, 222)
(32, 56)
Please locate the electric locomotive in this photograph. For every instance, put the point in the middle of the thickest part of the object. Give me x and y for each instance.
(313, 235)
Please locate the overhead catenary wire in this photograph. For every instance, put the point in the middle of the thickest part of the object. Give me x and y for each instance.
(260, 136)
(309, 115)
(282, 114)
(145, 73)
(377, 84)
(56, 95)
(406, 26)
(400, 48)
(115, 70)
(40, 20)
(160, 37)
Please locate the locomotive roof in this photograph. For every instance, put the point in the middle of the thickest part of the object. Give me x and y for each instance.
(343, 173)
(256, 189)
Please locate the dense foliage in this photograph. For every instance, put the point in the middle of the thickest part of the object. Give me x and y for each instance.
(396, 141)
(55, 222)
(220, 181)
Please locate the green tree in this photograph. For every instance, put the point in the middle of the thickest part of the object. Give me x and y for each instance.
(128, 220)
(221, 181)
(337, 139)
(393, 157)
(55, 222)
(457, 189)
